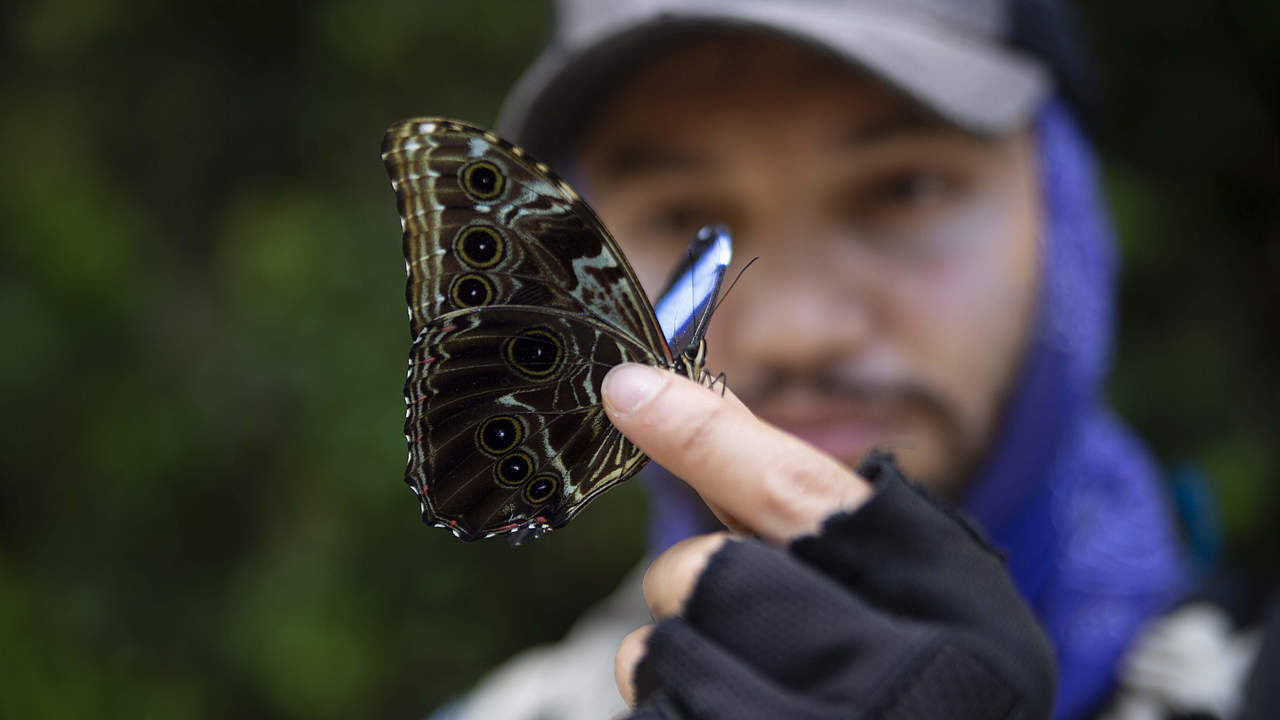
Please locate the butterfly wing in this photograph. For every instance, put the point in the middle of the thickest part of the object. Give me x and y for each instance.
(485, 224)
(519, 303)
(504, 417)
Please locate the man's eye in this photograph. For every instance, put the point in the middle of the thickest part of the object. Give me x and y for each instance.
(897, 200)
(680, 221)
(909, 188)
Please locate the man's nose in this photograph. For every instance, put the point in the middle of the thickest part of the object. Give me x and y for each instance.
(793, 309)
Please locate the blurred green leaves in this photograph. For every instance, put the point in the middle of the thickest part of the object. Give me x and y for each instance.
(202, 512)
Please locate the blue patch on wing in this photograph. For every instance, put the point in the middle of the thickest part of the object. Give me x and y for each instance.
(684, 309)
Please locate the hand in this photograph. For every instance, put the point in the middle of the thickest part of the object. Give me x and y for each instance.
(807, 609)
(757, 479)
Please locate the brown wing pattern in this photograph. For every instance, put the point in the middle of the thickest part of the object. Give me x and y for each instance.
(504, 419)
(485, 224)
(519, 303)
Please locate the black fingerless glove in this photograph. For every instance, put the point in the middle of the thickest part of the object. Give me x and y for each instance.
(899, 610)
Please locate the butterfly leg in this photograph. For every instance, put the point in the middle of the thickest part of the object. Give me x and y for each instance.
(711, 381)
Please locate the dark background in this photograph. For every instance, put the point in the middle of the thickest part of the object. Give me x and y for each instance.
(201, 510)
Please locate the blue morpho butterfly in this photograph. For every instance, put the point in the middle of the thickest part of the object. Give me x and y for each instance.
(519, 302)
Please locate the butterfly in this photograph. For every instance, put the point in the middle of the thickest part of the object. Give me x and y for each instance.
(519, 302)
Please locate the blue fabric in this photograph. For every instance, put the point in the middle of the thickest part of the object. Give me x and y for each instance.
(1066, 491)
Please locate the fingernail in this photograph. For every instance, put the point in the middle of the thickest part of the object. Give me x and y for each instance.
(628, 386)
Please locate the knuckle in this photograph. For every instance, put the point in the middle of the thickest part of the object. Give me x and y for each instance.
(792, 493)
(774, 494)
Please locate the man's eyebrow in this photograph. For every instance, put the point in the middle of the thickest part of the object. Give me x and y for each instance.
(638, 159)
(903, 123)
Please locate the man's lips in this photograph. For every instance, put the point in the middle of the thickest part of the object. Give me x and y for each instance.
(845, 429)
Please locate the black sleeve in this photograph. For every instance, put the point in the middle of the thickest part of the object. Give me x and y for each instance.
(897, 610)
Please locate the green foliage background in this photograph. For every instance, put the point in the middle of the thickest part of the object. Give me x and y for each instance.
(201, 505)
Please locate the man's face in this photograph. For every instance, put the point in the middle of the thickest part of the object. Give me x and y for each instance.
(897, 268)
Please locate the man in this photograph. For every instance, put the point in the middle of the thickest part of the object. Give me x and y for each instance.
(934, 278)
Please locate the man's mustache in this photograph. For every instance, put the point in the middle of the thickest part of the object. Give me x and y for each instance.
(829, 383)
(833, 384)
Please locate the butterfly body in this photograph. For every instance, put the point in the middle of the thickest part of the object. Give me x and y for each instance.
(519, 302)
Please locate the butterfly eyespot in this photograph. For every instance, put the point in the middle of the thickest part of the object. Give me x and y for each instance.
(482, 180)
(535, 353)
(499, 434)
(471, 290)
(513, 469)
(540, 489)
(480, 246)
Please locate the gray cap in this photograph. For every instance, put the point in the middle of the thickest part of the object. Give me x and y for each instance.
(949, 55)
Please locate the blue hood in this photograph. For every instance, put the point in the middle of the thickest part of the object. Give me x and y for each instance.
(1067, 491)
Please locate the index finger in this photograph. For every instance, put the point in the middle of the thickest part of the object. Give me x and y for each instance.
(774, 484)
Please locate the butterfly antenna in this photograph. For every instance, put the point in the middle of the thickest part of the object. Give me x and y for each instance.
(693, 295)
(733, 284)
(723, 380)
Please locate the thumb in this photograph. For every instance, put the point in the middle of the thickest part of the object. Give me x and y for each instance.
(773, 484)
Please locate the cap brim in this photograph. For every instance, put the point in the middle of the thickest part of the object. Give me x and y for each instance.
(978, 85)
